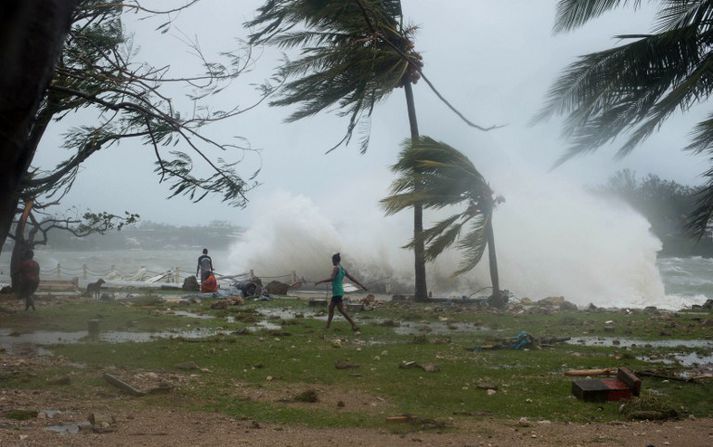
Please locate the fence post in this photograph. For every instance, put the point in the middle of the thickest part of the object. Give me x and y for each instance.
(252, 274)
(294, 277)
(59, 269)
(178, 275)
(84, 271)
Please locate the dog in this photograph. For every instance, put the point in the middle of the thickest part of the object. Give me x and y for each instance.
(94, 289)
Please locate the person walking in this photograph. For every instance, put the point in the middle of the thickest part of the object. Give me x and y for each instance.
(337, 280)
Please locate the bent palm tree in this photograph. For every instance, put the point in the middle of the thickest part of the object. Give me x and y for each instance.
(635, 87)
(436, 175)
(354, 54)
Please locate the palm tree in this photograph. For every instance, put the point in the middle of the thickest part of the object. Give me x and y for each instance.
(633, 88)
(437, 176)
(354, 54)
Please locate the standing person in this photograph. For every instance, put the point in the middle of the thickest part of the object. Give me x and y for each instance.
(205, 266)
(337, 280)
(29, 279)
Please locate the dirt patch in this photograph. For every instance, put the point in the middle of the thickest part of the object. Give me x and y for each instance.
(328, 397)
(170, 427)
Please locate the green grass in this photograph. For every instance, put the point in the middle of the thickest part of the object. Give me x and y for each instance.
(530, 383)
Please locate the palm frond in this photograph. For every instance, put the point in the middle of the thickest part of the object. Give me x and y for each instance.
(435, 175)
(473, 245)
(634, 87)
(574, 13)
(352, 55)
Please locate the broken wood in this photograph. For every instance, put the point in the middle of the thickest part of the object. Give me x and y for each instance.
(590, 372)
(654, 374)
(123, 386)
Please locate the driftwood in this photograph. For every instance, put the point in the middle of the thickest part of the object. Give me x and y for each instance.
(123, 386)
(590, 372)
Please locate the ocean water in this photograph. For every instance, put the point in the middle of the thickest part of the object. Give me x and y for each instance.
(686, 281)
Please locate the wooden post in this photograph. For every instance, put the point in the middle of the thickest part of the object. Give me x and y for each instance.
(178, 275)
(84, 271)
(59, 269)
(294, 277)
(252, 274)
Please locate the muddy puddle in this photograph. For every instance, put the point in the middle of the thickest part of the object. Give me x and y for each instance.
(19, 343)
(633, 343)
(439, 328)
(70, 428)
(690, 359)
(183, 313)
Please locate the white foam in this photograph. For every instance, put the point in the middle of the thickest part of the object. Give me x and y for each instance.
(553, 239)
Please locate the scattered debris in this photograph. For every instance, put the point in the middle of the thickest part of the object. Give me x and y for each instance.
(127, 388)
(623, 387)
(190, 284)
(277, 288)
(427, 367)
(343, 364)
(227, 302)
(187, 366)
(590, 372)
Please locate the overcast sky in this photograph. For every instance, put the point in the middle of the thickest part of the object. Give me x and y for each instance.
(494, 60)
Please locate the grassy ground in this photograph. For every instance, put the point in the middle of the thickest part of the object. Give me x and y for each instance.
(257, 375)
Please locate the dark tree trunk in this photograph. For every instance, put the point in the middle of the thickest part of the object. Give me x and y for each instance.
(421, 289)
(31, 37)
(19, 250)
(497, 299)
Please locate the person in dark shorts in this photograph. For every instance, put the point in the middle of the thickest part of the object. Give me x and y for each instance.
(337, 280)
(29, 279)
(205, 266)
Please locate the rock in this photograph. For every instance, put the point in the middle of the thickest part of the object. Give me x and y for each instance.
(430, 367)
(222, 304)
(523, 422)
(103, 420)
(277, 288)
(188, 366)
(486, 386)
(552, 301)
(190, 284)
(491, 392)
(341, 404)
(342, 364)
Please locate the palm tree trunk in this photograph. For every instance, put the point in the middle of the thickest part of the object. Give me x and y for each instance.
(421, 289)
(496, 298)
(31, 37)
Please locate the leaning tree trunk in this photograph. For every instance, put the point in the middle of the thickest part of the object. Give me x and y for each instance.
(497, 299)
(21, 246)
(421, 289)
(31, 36)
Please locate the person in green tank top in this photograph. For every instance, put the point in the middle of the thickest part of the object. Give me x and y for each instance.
(337, 280)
